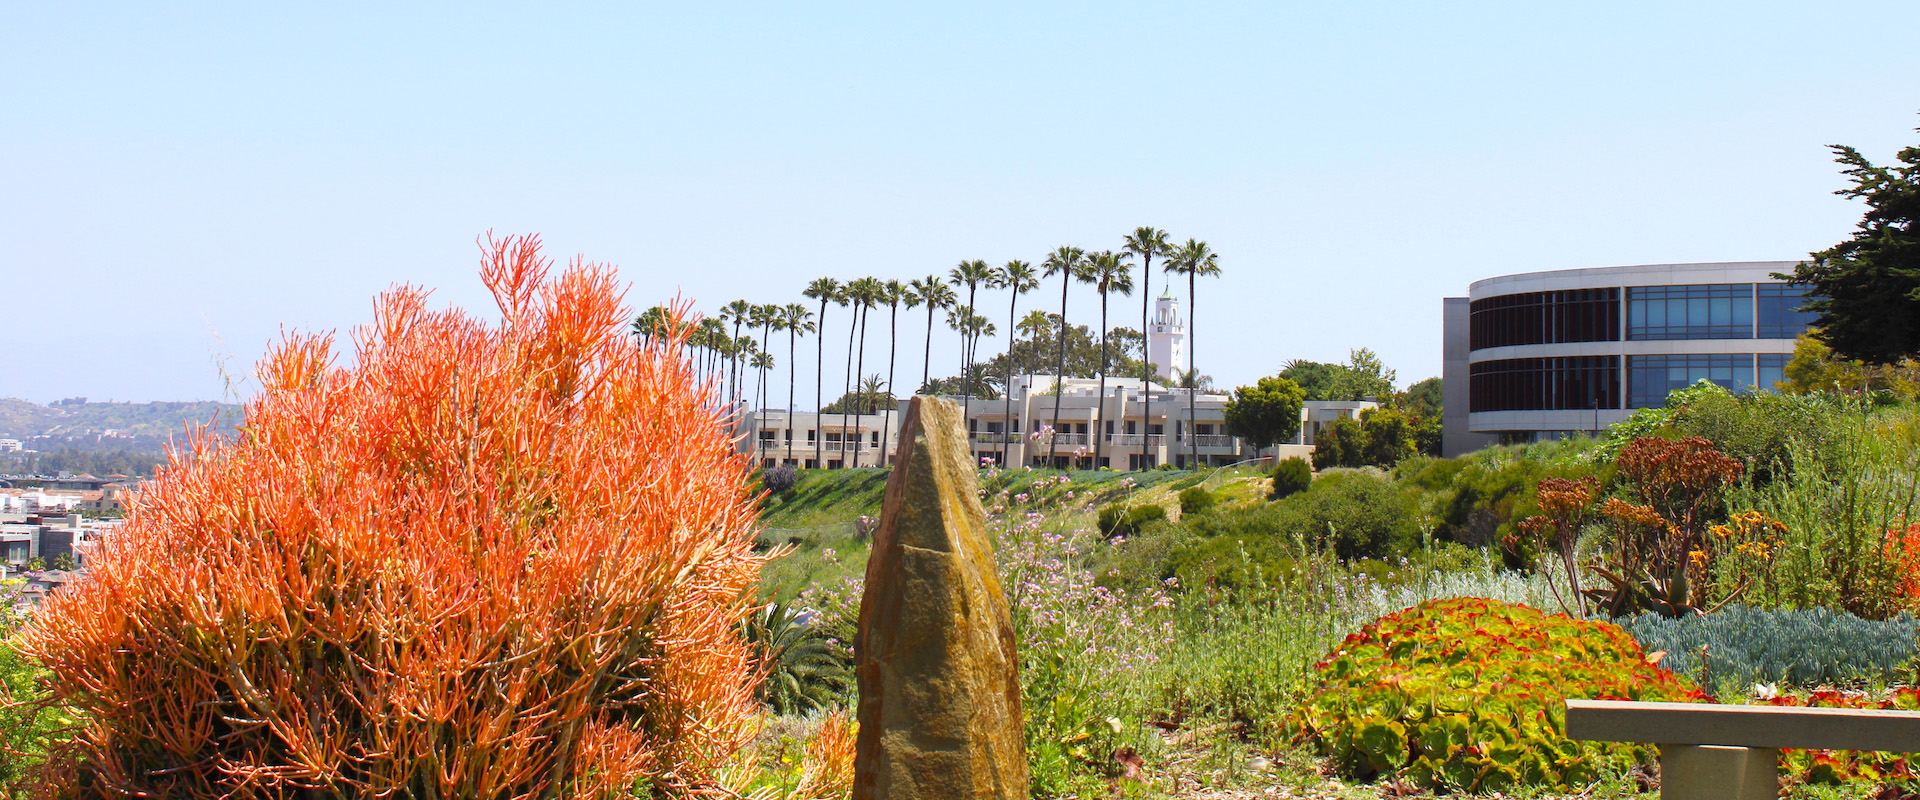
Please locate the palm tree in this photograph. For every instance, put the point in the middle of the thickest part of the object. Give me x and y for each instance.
(1110, 273)
(761, 362)
(803, 670)
(863, 294)
(1146, 243)
(1035, 325)
(970, 274)
(713, 336)
(825, 290)
(649, 323)
(738, 312)
(796, 320)
(1070, 264)
(971, 327)
(1193, 259)
(892, 292)
(936, 295)
(768, 317)
(867, 397)
(1019, 278)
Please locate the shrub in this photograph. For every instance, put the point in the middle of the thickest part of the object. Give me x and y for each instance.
(1469, 695)
(1121, 520)
(479, 561)
(1291, 476)
(1896, 771)
(780, 480)
(1660, 554)
(29, 724)
(1196, 500)
(1141, 516)
(1804, 647)
(1362, 513)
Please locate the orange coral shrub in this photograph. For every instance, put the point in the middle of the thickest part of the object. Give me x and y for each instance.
(481, 561)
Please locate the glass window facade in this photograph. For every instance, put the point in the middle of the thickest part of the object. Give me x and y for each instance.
(1650, 378)
(1771, 369)
(1777, 307)
(1712, 311)
(1576, 315)
(1545, 384)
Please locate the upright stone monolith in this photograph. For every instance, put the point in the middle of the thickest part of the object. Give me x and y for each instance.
(936, 658)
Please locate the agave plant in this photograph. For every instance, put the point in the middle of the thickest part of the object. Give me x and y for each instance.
(806, 669)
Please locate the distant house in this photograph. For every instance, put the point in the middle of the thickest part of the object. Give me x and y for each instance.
(82, 483)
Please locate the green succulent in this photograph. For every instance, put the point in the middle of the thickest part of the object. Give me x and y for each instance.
(1468, 695)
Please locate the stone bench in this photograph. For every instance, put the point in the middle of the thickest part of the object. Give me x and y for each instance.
(1728, 751)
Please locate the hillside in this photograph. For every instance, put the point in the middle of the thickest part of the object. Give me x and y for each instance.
(136, 427)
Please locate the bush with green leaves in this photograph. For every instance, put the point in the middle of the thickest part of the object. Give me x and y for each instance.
(1799, 647)
(1360, 512)
(1196, 500)
(1290, 477)
(1469, 694)
(1479, 499)
(1123, 520)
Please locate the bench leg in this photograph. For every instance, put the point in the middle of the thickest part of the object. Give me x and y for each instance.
(1714, 772)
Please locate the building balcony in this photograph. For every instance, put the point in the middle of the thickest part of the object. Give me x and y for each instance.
(991, 437)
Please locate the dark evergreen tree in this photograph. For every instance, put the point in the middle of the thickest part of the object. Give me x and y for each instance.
(1868, 287)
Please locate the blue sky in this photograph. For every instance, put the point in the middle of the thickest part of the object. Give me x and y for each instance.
(178, 181)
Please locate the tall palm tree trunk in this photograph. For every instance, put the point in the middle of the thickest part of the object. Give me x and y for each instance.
(893, 345)
(859, 406)
(1146, 361)
(760, 410)
(926, 358)
(793, 337)
(1100, 403)
(819, 380)
(968, 335)
(1193, 392)
(1006, 425)
(1060, 367)
(852, 327)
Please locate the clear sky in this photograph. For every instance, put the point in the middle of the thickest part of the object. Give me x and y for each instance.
(178, 181)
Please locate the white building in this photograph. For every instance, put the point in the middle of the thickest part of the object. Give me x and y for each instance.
(1544, 354)
(1167, 338)
(1130, 427)
(1134, 425)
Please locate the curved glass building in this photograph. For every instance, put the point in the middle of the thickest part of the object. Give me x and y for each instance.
(1544, 354)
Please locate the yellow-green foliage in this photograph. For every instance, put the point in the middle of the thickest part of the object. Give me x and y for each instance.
(1468, 694)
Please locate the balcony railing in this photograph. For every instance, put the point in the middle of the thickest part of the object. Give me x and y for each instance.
(1138, 440)
(990, 437)
(1060, 439)
(1213, 440)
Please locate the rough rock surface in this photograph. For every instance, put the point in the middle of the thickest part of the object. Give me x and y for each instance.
(936, 658)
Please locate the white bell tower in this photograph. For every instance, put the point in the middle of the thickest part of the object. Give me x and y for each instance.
(1167, 338)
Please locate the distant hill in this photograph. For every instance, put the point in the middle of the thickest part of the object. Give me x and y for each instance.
(133, 427)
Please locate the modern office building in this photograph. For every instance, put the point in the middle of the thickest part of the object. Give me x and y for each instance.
(1545, 354)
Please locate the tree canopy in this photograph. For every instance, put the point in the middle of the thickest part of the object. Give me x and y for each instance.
(1364, 375)
(1867, 288)
(1266, 413)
